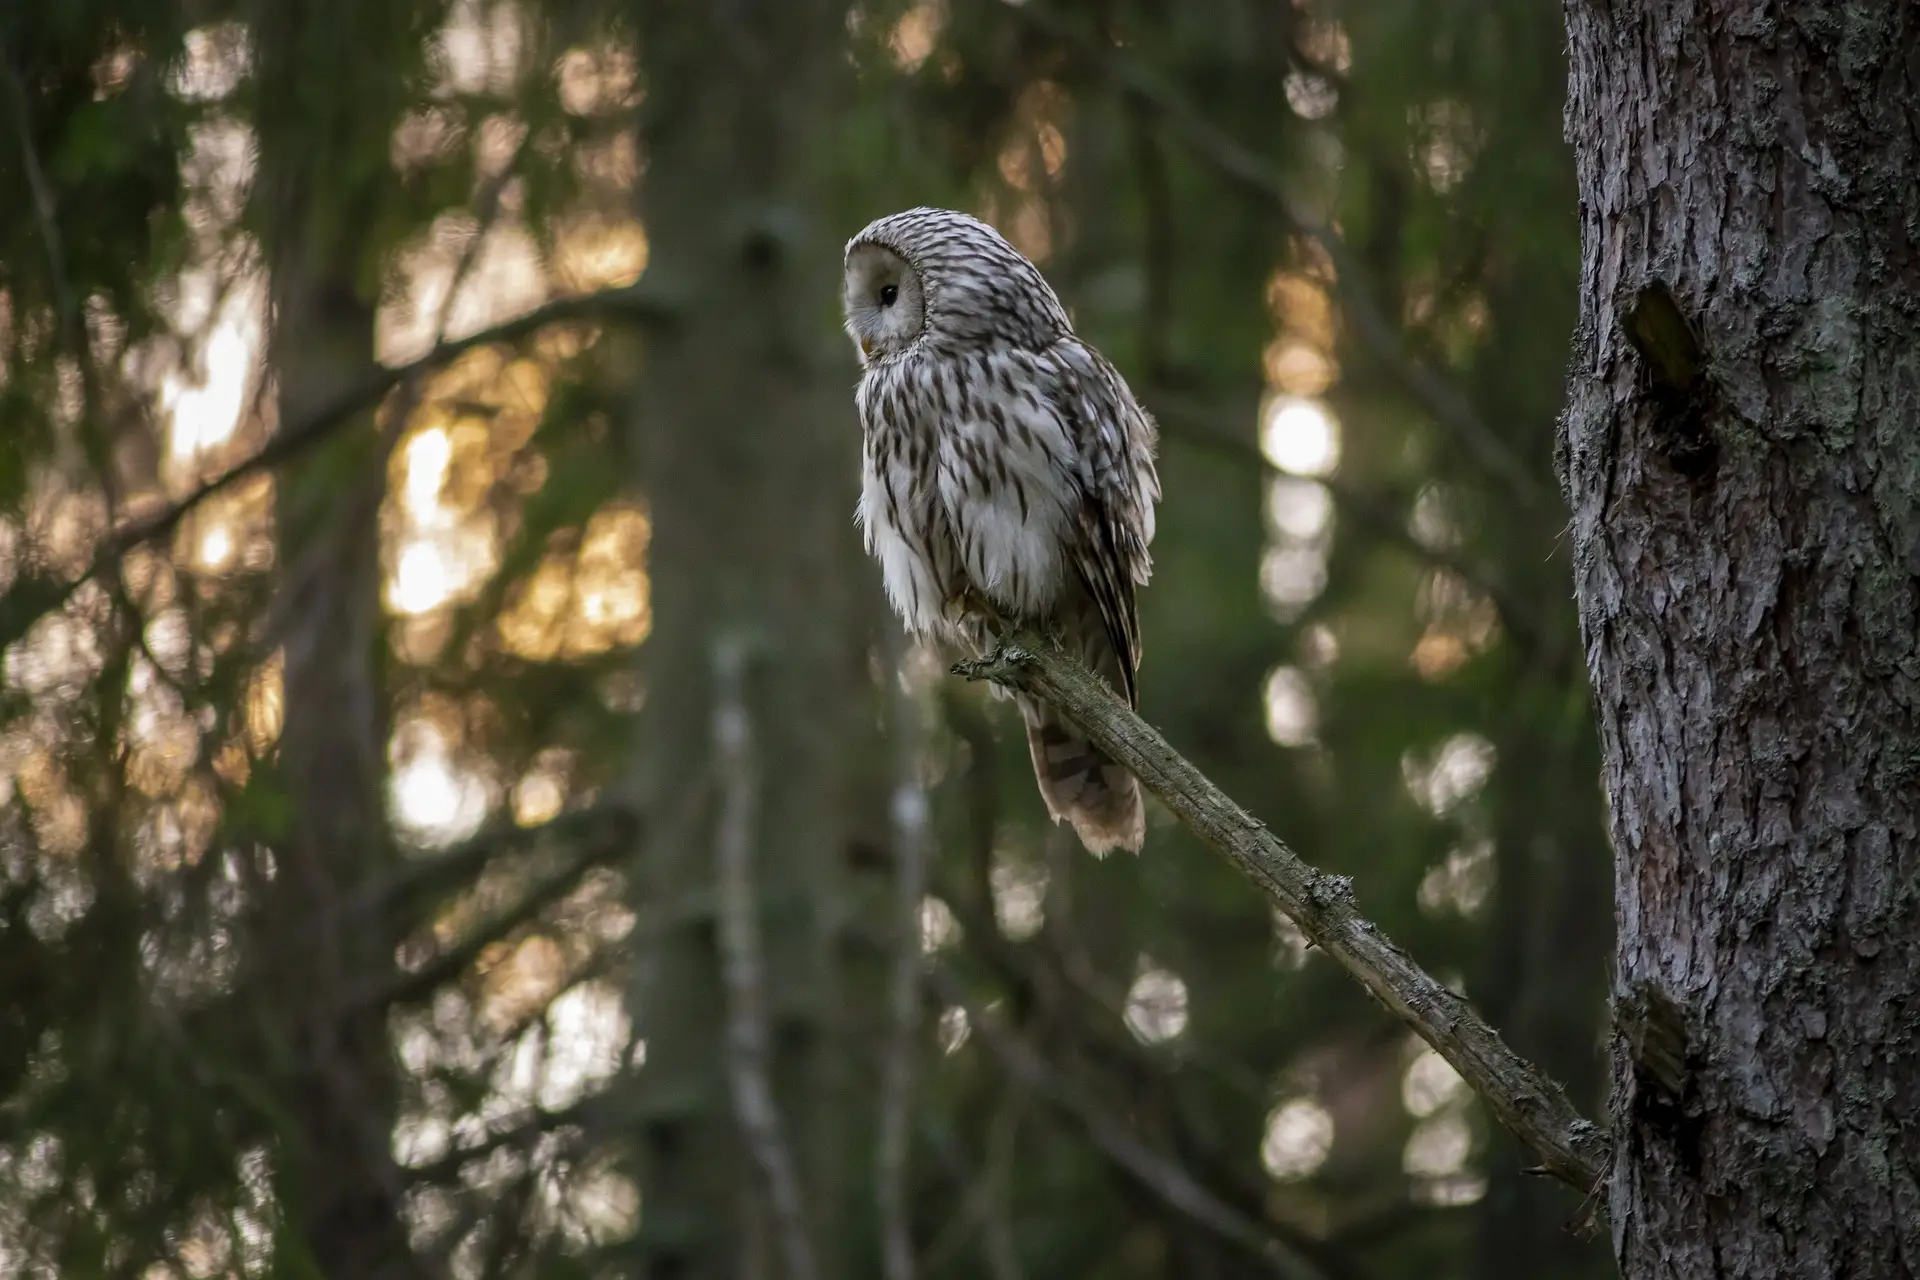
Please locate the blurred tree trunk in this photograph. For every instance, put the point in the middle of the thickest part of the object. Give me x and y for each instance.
(323, 154)
(1747, 550)
(748, 450)
(343, 1184)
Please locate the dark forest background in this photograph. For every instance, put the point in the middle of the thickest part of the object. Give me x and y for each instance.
(467, 810)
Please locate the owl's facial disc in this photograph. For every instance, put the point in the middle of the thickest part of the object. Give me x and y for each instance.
(886, 309)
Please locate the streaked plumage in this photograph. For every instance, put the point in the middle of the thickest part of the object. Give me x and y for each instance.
(1007, 470)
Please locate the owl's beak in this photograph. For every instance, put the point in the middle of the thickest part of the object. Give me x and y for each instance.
(866, 348)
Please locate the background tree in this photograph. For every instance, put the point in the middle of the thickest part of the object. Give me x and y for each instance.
(1741, 455)
(431, 597)
(336, 1180)
(750, 474)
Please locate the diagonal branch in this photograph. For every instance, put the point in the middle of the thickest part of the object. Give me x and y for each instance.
(638, 305)
(1443, 401)
(598, 842)
(1121, 1144)
(1522, 1097)
(522, 1132)
(408, 888)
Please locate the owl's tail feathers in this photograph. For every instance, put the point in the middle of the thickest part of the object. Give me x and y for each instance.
(1081, 784)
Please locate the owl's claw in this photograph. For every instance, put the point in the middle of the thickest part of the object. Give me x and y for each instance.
(971, 604)
(977, 618)
(962, 604)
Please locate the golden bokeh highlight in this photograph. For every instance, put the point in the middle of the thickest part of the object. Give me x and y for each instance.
(1303, 310)
(1459, 623)
(582, 604)
(915, 34)
(519, 978)
(596, 252)
(1297, 368)
(1300, 437)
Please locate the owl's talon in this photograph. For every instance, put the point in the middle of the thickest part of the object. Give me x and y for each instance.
(972, 605)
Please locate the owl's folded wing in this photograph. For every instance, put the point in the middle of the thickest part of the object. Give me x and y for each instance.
(1114, 441)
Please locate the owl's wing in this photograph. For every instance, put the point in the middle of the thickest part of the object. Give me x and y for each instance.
(1114, 440)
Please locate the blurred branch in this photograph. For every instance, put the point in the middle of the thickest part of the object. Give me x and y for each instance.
(43, 206)
(997, 1241)
(1443, 401)
(740, 960)
(1518, 1093)
(73, 327)
(984, 1196)
(635, 304)
(1117, 1140)
(1105, 1040)
(1181, 418)
(608, 841)
(911, 831)
(600, 827)
(585, 1113)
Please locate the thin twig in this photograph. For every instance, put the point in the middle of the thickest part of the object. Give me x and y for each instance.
(742, 972)
(1521, 1096)
(1444, 402)
(1120, 1143)
(634, 304)
(910, 838)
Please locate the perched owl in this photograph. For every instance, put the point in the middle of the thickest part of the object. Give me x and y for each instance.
(1007, 477)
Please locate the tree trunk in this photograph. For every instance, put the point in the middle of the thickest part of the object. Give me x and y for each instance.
(748, 448)
(343, 1188)
(337, 1082)
(1746, 541)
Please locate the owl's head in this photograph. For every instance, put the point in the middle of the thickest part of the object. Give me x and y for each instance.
(886, 304)
(934, 273)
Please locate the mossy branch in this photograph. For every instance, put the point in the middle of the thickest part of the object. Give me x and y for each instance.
(1521, 1096)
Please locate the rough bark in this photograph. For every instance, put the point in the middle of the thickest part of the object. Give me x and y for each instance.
(745, 438)
(1744, 467)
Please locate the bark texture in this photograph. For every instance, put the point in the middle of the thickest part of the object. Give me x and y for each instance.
(1743, 468)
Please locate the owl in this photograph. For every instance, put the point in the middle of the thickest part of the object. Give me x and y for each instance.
(1007, 478)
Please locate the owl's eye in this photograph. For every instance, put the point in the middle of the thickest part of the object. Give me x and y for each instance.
(889, 294)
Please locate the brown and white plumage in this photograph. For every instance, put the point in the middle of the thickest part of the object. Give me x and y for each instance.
(1007, 470)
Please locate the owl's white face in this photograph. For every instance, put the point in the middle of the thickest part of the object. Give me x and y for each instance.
(886, 306)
